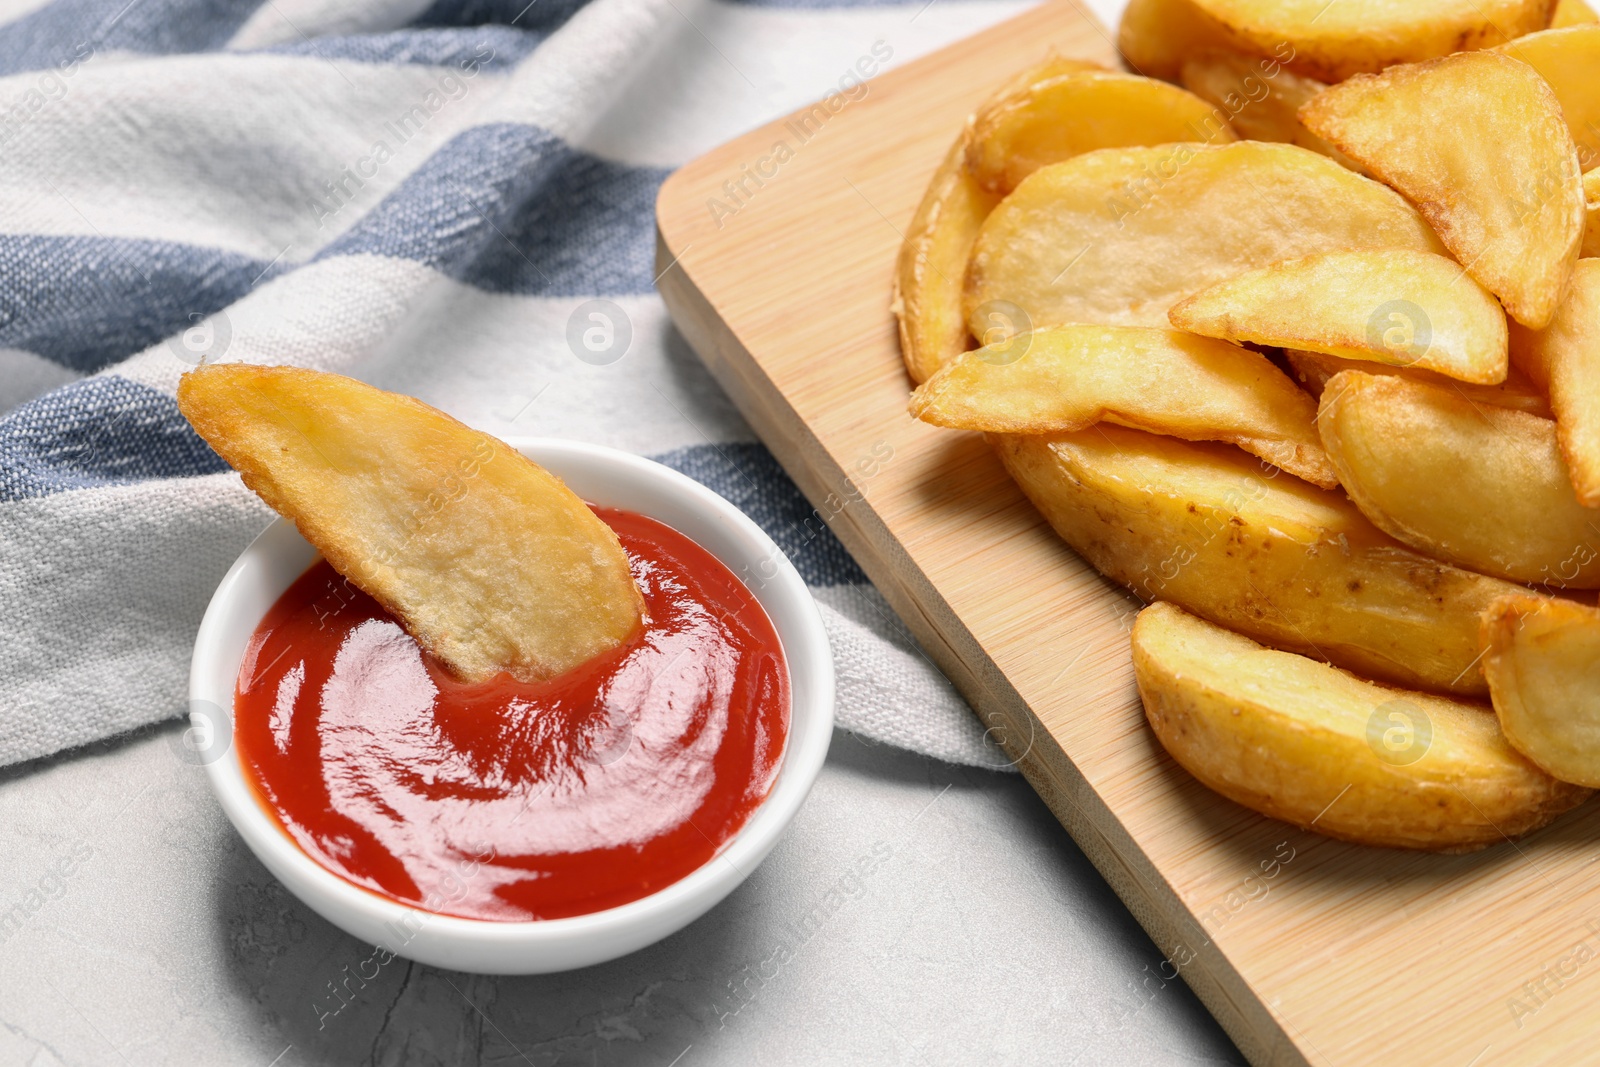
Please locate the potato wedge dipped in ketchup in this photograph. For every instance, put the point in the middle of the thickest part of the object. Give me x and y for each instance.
(487, 698)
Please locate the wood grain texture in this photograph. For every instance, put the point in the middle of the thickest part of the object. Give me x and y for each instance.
(1341, 955)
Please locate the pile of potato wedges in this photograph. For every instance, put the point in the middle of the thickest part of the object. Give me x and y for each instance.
(1289, 329)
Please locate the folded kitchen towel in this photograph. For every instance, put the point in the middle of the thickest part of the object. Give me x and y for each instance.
(453, 201)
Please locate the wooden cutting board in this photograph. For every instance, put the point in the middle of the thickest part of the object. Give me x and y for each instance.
(776, 264)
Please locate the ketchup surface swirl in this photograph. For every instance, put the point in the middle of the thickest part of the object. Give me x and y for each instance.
(508, 800)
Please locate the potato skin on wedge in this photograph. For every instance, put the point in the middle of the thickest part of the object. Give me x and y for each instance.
(1057, 118)
(489, 561)
(926, 300)
(1063, 378)
(1565, 358)
(1307, 743)
(1207, 527)
(1156, 36)
(1314, 370)
(1542, 661)
(933, 261)
(1333, 41)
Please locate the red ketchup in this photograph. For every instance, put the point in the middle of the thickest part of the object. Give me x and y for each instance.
(509, 800)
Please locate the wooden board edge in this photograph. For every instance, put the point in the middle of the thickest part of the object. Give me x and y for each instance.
(958, 654)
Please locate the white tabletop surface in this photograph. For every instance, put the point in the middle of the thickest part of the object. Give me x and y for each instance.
(981, 934)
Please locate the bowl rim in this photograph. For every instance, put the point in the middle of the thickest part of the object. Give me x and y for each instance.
(806, 653)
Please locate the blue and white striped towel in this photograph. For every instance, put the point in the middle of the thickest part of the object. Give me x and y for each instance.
(426, 197)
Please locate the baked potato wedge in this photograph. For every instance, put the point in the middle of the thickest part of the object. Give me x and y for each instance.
(1569, 61)
(1334, 40)
(1565, 358)
(1314, 370)
(1542, 661)
(1389, 305)
(1222, 535)
(1307, 743)
(926, 298)
(1483, 487)
(1591, 208)
(1064, 116)
(1572, 13)
(933, 261)
(1156, 36)
(1505, 195)
(1071, 377)
(1116, 237)
(487, 559)
(1259, 98)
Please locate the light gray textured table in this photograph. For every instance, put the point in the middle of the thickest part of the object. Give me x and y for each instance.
(149, 934)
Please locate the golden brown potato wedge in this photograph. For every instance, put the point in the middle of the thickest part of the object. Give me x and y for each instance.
(1156, 36)
(933, 261)
(1566, 359)
(1572, 13)
(1116, 237)
(1569, 60)
(1333, 41)
(1258, 97)
(1307, 743)
(926, 300)
(1542, 661)
(1065, 116)
(1052, 66)
(1313, 370)
(1483, 487)
(1591, 229)
(1213, 530)
(1071, 377)
(1478, 143)
(1387, 305)
(489, 561)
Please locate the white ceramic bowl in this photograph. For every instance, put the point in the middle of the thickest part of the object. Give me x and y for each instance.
(602, 476)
